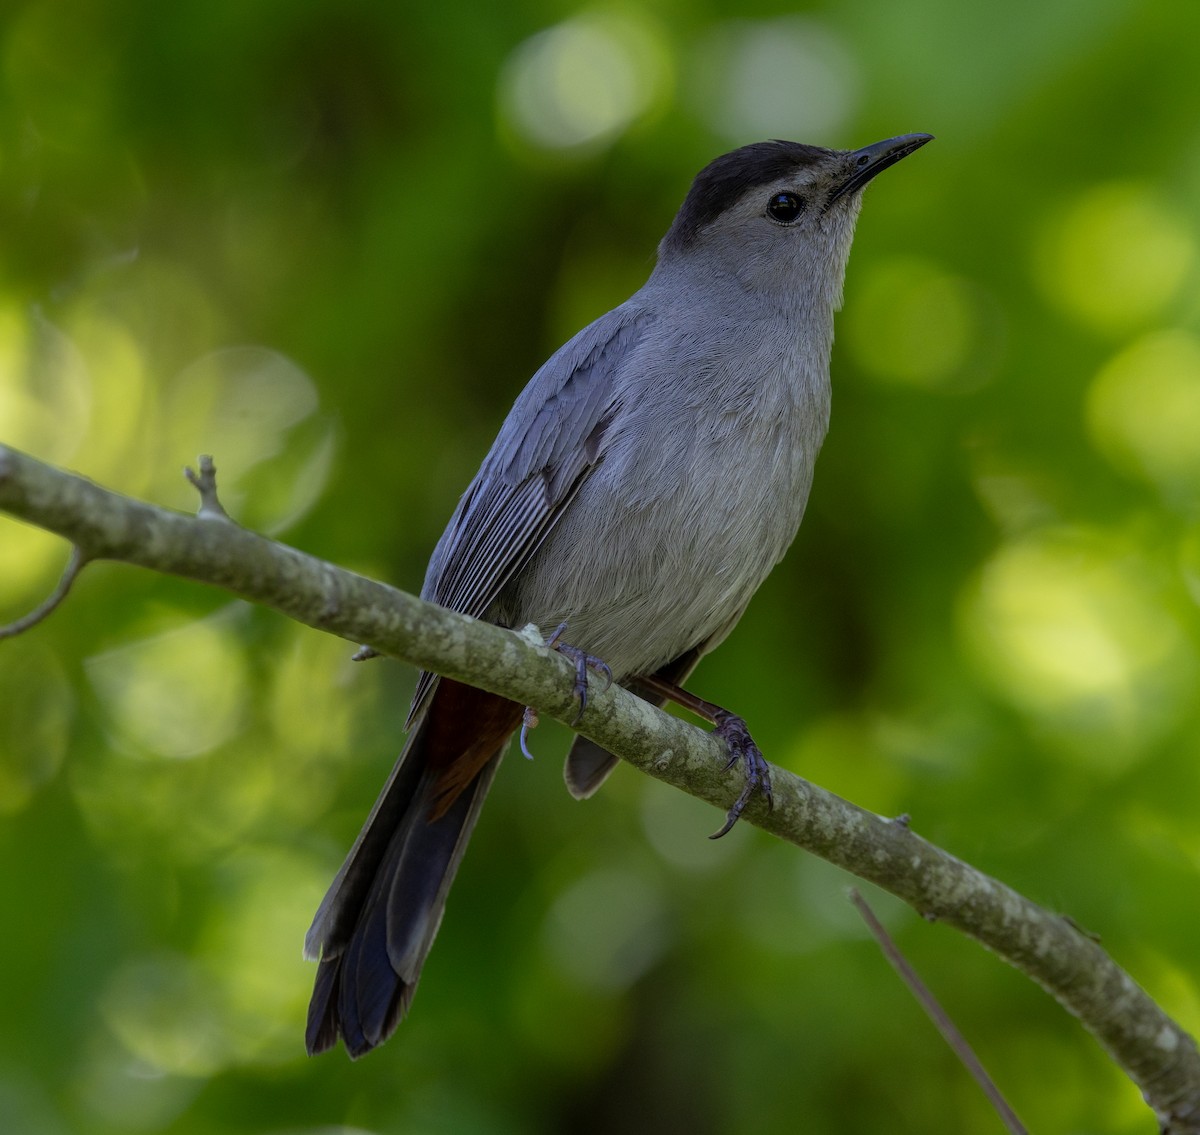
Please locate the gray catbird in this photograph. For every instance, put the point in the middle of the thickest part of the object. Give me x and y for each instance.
(643, 485)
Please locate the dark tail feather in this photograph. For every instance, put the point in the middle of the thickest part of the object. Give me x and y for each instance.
(378, 921)
(587, 767)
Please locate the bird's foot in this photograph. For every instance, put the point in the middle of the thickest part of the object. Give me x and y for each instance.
(733, 731)
(583, 663)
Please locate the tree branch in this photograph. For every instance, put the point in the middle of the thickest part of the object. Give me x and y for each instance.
(1159, 1056)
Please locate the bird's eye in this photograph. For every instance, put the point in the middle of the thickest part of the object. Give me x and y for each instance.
(784, 208)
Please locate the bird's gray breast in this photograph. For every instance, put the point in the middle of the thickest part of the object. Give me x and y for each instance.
(703, 478)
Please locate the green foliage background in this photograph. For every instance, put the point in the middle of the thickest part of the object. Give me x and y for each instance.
(329, 242)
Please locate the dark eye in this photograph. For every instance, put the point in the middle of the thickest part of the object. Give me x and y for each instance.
(784, 208)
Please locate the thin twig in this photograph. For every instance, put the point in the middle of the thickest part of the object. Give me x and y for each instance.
(75, 565)
(205, 483)
(939, 1016)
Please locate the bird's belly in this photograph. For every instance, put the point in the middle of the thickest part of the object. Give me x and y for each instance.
(642, 577)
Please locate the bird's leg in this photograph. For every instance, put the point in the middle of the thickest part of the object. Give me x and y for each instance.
(583, 663)
(736, 735)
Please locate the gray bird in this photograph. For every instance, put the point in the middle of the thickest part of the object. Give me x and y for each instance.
(643, 485)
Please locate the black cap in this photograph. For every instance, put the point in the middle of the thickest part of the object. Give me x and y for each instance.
(720, 183)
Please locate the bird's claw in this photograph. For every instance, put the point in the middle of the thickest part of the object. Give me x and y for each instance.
(733, 731)
(583, 663)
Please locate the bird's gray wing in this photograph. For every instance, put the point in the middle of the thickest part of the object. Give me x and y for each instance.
(549, 442)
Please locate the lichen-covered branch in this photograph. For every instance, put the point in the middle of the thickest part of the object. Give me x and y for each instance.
(1155, 1052)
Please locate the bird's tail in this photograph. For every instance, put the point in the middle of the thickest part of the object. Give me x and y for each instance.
(375, 926)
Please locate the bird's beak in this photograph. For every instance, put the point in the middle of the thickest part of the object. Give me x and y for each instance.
(864, 164)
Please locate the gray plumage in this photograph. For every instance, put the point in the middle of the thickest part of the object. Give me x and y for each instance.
(660, 461)
(643, 485)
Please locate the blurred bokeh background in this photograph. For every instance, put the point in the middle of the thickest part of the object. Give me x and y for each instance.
(328, 243)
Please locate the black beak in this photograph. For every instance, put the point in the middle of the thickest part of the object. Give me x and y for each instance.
(874, 159)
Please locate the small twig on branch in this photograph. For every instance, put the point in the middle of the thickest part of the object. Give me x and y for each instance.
(75, 565)
(206, 485)
(941, 1019)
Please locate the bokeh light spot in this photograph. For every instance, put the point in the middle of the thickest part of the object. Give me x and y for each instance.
(125, 1093)
(1114, 257)
(250, 949)
(30, 561)
(582, 82)
(121, 399)
(74, 392)
(177, 694)
(670, 821)
(255, 411)
(1143, 411)
(1069, 628)
(316, 693)
(245, 397)
(162, 1010)
(913, 323)
(787, 78)
(45, 389)
(607, 929)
